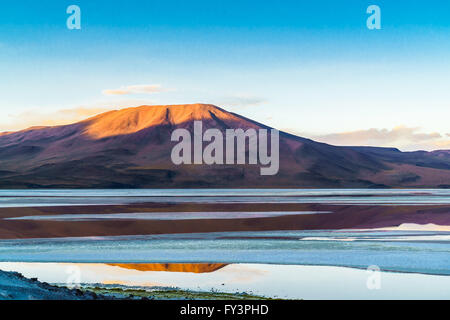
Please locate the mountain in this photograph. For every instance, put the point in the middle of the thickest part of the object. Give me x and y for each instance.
(131, 148)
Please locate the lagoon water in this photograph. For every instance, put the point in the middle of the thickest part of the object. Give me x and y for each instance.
(165, 215)
(30, 198)
(400, 251)
(414, 264)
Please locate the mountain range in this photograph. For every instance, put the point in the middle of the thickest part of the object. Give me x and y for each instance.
(131, 148)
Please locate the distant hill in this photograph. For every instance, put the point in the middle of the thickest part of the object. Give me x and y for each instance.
(130, 148)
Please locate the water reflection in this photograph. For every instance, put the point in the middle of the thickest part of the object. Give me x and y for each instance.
(172, 267)
(278, 281)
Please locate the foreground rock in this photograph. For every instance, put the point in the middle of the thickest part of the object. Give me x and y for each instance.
(14, 286)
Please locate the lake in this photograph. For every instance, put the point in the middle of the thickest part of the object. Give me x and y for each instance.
(414, 260)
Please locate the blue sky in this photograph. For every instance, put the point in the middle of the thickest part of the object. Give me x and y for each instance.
(310, 67)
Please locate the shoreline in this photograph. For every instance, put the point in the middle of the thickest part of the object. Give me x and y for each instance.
(263, 282)
(15, 286)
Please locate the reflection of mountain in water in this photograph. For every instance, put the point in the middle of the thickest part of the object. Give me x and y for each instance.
(172, 267)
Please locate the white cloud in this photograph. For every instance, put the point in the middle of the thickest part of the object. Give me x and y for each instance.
(241, 101)
(402, 137)
(381, 136)
(135, 89)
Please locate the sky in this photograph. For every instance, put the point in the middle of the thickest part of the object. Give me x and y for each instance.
(312, 68)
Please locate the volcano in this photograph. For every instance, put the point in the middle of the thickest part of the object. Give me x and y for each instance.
(131, 148)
